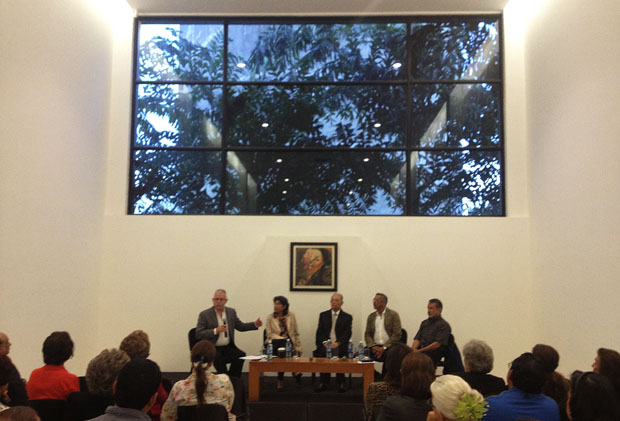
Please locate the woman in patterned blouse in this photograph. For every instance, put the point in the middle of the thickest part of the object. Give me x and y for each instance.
(200, 387)
(279, 326)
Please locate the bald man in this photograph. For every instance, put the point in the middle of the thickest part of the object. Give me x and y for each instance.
(16, 393)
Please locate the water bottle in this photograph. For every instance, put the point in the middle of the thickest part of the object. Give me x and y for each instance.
(328, 349)
(269, 351)
(350, 350)
(289, 348)
(360, 351)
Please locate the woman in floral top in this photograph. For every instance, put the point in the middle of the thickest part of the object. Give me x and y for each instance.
(200, 387)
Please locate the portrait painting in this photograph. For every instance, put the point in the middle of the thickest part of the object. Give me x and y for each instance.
(314, 266)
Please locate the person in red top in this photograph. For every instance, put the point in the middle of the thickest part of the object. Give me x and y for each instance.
(53, 381)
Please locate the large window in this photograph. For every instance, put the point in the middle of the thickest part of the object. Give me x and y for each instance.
(397, 116)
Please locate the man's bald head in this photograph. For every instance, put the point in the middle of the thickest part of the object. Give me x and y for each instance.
(5, 344)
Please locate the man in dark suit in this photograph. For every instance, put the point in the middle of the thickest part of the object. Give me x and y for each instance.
(334, 324)
(217, 324)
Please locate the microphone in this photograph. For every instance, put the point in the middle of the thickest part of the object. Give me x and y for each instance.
(226, 331)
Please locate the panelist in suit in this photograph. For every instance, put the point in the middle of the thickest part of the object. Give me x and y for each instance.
(217, 324)
(334, 324)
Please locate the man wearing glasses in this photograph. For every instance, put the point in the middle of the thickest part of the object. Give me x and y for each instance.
(218, 324)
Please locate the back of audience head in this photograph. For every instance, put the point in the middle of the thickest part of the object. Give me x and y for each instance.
(448, 390)
(137, 384)
(136, 344)
(592, 398)
(19, 413)
(417, 374)
(57, 348)
(607, 364)
(393, 363)
(5, 344)
(478, 356)
(548, 356)
(527, 373)
(103, 370)
(203, 355)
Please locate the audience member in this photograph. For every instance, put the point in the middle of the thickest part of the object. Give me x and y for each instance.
(218, 324)
(417, 374)
(19, 413)
(334, 324)
(524, 399)
(16, 393)
(280, 326)
(200, 387)
(556, 385)
(434, 334)
(137, 345)
(101, 374)
(478, 357)
(454, 399)
(5, 375)
(591, 398)
(383, 328)
(53, 381)
(378, 392)
(135, 391)
(607, 364)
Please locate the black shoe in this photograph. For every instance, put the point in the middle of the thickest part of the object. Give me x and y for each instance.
(341, 388)
(321, 388)
(280, 386)
(298, 378)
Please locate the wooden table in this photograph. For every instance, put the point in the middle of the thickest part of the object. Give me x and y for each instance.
(306, 365)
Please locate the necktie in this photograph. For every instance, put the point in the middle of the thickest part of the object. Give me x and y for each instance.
(332, 333)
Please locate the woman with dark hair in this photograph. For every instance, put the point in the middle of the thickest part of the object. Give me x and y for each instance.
(556, 385)
(53, 381)
(591, 398)
(200, 387)
(607, 364)
(378, 392)
(280, 326)
(417, 374)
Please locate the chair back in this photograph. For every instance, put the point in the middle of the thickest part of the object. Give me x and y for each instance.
(49, 409)
(453, 362)
(191, 338)
(209, 412)
(403, 336)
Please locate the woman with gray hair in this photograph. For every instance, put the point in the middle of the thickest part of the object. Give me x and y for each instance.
(478, 358)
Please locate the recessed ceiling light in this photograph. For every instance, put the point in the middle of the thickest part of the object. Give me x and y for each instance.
(279, 160)
(396, 65)
(366, 159)
(284, 192)
(286, 180)
(265, 125)
(241, 65)
(348, 204)
(351, 192)
(359, 180)
(377, 125)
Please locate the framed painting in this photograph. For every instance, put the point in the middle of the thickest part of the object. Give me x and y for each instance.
(314, 267)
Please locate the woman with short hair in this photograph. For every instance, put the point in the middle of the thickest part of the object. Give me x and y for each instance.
(478, 359)
(53, 381)
(454, 399)
(201, 387)
(417, 374)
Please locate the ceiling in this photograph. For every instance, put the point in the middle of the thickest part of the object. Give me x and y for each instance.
(313, 7)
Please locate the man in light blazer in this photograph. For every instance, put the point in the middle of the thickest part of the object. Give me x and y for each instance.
(383, 328)
(340, 337)
(217, 324)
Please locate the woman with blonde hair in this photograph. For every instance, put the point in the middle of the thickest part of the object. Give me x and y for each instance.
(454, 399)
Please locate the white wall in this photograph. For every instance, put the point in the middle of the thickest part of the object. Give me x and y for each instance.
(71, 259)
(54, 84)
(573, 101)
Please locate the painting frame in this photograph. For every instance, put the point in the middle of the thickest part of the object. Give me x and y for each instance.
(314, 266)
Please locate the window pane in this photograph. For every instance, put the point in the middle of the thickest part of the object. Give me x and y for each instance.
(175, 182)
(328, 116)
(310, 52)
(316, 183)
(463, 183)
(179, 115)
(456, 115)
(456, 50)
(180, 52)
